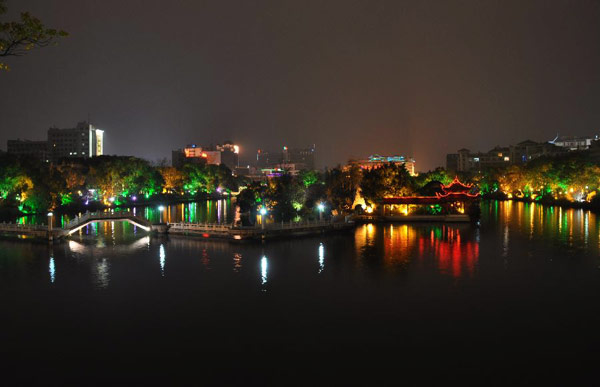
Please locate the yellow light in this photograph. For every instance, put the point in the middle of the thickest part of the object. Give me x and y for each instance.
(236, 149)
(369, 210)
(590, 196)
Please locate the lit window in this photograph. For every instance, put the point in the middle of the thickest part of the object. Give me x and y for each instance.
(476, 159)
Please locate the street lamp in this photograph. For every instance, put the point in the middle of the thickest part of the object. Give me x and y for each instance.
(50, 215)
(263, 212)
(321, 208)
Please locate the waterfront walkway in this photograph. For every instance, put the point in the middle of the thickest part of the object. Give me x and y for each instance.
(205, 230)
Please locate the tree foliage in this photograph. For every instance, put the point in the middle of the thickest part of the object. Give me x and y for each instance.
(17, 38)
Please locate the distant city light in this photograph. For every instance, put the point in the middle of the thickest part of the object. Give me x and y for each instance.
(161, 208)
(134, 198)
(263, 211)
(321, 207)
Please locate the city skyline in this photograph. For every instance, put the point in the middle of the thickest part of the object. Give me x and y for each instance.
(391, 78)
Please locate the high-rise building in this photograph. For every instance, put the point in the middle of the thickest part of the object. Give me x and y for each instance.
(264, 159)
(37, 150)
(303, 158)
(82, 141)
(229, 154)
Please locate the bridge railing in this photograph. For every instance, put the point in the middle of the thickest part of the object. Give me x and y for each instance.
(24, 227)
(229, 226)
(79, 220)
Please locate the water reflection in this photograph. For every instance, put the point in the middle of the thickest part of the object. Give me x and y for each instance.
(454, 249)
(321, 257)
(52, 270)
(509, 231)
(102, 274)
(455, 256)
(567, 227)
(264, 264)
(237, 262)
(162, 257)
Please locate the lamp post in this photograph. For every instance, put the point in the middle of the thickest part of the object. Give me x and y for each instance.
(160, 211)
(50, 215)
(321, 208)
(263, 212)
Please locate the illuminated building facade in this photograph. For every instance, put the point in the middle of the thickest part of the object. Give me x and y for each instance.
(227, 154)
(83, 141)
(376, 161)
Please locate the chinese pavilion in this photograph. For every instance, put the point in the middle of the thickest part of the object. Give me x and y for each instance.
(454, 198)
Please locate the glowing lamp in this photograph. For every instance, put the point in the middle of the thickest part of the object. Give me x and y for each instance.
(50, 214)
(161, 208)
(321, 207)
(134, 198)
(263, 211)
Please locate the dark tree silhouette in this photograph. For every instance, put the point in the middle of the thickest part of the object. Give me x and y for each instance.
(17, 38)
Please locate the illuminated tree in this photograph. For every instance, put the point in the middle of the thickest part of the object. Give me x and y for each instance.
(173, 179)
(17, 38)
(387, 180)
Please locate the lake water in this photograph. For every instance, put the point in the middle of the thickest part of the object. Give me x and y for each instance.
(509, 300)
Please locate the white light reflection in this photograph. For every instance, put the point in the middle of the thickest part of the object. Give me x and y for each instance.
(162, 259)
(52, 270)
(321, 257)
(102, 273)
(263, 270)
(76, 247)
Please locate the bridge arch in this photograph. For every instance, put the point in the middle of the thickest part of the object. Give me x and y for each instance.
(80, 222)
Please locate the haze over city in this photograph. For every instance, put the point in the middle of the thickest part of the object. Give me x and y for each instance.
(355, 78)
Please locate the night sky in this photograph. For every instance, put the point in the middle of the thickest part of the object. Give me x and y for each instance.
(420, 78)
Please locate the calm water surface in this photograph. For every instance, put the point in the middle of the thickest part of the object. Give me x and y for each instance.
(521, 290)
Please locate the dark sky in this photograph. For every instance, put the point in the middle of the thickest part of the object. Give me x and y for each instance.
(420, 78)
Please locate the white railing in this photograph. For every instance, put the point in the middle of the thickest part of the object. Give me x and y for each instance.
(200, 226)
(228, 226)
(23, 227)
(75, 222)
